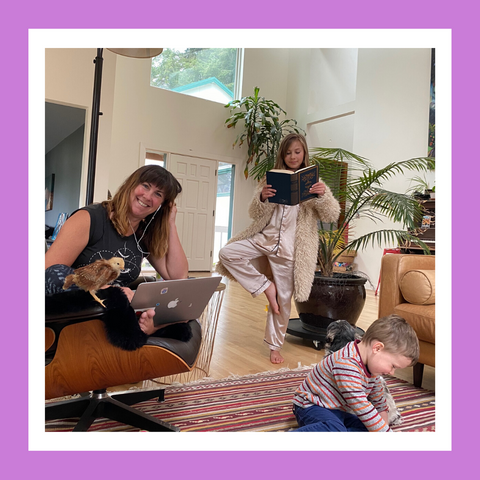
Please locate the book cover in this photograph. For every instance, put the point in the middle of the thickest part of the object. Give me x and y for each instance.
(426, 221)
(292, 187)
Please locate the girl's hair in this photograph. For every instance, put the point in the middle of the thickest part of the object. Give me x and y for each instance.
(284, 146)
(397, 336)
(118, 208)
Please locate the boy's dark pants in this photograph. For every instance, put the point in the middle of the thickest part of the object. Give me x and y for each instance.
(319, 419)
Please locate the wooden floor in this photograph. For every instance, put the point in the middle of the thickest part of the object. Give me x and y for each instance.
(239, 348)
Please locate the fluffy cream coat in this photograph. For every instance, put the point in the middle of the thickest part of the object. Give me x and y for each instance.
(324, 208)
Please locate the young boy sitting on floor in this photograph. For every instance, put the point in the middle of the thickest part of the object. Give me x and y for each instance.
(343, 392)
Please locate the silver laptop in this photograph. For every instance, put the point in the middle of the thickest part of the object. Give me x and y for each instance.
(175, 300)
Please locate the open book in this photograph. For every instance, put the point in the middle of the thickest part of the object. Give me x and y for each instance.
(292, 187)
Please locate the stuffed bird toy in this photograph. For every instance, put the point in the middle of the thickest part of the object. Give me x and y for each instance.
(95, 276)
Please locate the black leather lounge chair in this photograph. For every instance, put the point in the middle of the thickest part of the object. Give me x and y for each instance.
(80, 357)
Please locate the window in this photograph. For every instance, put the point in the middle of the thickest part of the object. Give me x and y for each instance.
(155, 159)
(209, 73)
(225, 185)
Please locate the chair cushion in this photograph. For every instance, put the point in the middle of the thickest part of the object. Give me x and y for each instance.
(418, 287)
(421, 318)
(186, 348)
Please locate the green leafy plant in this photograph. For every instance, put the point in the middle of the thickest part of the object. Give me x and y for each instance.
(262, 131)
(421, 185)
(359, 188)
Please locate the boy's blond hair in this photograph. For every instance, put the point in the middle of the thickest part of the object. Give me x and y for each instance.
(397, 336)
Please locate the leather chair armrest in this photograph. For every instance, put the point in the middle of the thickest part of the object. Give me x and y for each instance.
(56, 318)
(392, 269)
(61, 311)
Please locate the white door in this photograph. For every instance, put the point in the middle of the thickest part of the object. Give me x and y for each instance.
(196, 208)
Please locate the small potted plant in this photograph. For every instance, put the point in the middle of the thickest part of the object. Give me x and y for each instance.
(421, 188)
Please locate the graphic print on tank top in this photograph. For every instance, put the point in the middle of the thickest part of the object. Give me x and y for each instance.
(132, 259)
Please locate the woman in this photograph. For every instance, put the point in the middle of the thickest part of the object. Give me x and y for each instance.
(138, 222)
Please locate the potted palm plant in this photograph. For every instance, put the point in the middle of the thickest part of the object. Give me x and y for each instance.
(360, 191)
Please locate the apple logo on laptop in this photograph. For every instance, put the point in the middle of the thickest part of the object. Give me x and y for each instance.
(173, 303)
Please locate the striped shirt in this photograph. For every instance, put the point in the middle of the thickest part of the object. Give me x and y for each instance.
(341, 381)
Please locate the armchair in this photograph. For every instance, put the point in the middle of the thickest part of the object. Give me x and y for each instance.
(80, 358)
(408, 290)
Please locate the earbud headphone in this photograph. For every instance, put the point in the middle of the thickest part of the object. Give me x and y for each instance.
(135, 237)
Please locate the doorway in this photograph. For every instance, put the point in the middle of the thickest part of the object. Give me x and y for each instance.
(204, 217)
(64, 141)
(196, 208)
(224, 207)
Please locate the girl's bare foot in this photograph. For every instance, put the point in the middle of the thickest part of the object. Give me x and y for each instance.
(275, 356)
(271, 294)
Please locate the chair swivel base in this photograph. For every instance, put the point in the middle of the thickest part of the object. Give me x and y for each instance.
(114, 407)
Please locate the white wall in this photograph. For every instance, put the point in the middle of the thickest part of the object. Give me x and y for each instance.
(331, 102)
(321, 94)
(374, 102)
(69, 78)
(391, 122)
(267, 68)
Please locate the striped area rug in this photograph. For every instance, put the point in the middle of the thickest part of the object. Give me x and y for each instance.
(256, 403)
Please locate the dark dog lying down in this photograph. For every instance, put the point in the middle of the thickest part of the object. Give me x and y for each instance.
(339, 333)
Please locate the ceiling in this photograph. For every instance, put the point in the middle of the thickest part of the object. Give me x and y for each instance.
(60, 122)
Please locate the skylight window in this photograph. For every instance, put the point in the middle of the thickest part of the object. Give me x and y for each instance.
(209, 73)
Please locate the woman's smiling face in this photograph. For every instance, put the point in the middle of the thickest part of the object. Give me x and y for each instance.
(145, 199)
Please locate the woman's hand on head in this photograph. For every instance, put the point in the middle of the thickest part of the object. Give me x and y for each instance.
(174, 264)
(267, 192)
(318, 188)
(173, 213)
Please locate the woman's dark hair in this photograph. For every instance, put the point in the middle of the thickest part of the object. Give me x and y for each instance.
(118, 208)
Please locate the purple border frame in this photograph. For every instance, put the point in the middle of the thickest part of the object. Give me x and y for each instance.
(23, 15)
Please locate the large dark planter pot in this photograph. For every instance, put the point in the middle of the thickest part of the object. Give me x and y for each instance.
(341, 297)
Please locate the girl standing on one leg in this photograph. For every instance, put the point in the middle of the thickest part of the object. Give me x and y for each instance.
(287, 237)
